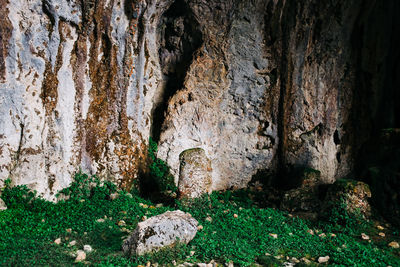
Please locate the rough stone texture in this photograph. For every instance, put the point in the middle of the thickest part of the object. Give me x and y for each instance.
(161, 231)
(76, 89)
(194, 173)
(259, 85)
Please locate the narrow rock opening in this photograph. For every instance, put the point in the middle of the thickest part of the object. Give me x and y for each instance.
(178, 37)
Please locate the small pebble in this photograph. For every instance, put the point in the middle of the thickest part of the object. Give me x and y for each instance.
(72, 243)
(274, 235)
(121, 223)
(323, 259)
(80, 256)
(364, 236)
(235, 215)
(380, 227)
(57, 241)
(209, 219)
(69, 230)
(382, 234)
(159, 205)
(394, 244)
(100, 220)
(87, 248)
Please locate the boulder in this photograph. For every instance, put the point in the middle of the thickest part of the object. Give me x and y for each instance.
(194, 173)
(350, 194)
(161, 231)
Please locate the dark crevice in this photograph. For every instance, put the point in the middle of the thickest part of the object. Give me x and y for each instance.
(336, 138)
(179, 37)
(22, 126)
(288, 20)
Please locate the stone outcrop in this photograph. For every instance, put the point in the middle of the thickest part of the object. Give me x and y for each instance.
(161, 231)
(194, 173)
(258, 85)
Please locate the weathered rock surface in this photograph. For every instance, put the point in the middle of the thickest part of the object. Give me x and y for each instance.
(194, 173)
(259, 85)
(161, 231)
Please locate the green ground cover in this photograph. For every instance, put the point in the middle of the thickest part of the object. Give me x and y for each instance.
(235, 228)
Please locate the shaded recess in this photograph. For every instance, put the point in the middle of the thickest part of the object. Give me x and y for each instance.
(178, 37)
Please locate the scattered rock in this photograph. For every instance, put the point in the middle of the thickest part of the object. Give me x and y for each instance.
(194, 173)
(161, 231)
(382, 234)
(72, 243)
(121, 223)
(200, 227)
(380, 227)
(100, 220)
(69, 230)
(323, 259)
(208, 219)
(235, 215)
(57, 241)
(80, 256)
(274, 235)
(364, 236)
(87, 248)
(394, 244)
(2, 205)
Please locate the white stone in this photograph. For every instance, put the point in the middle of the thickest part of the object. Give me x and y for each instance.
(87, 248)
(323, 259)
(161, 231)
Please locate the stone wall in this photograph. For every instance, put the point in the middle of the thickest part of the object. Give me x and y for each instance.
(259, 85)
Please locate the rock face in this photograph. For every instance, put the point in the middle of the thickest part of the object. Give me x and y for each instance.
(194, 174)
(258, 85)
(161, 231)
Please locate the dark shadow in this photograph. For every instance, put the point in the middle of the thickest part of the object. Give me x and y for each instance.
(179, 37)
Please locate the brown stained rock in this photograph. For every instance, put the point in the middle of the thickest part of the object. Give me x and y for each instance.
(194, 174)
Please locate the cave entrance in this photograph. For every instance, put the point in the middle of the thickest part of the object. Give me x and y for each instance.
(178, 37)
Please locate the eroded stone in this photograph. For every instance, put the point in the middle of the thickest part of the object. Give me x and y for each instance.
(161, 231)
(194, 173)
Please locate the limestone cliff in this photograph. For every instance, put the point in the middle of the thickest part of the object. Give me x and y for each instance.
(259, 85)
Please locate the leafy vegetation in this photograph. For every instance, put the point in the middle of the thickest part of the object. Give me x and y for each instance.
(234, 229)
(159, 170)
